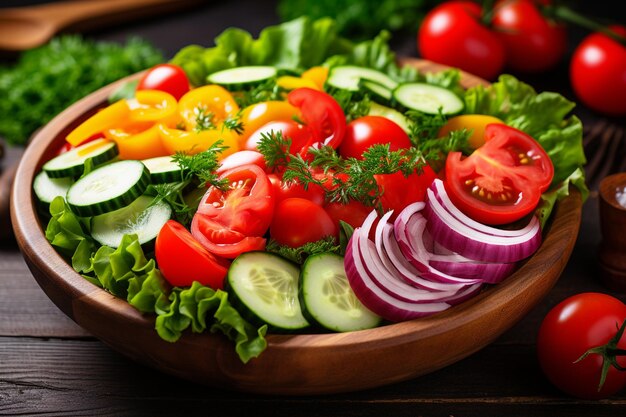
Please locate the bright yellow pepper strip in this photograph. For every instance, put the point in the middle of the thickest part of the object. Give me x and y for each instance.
(289, 82)
(192, 142)
(153, 106)
(316, 74)
(104, 119)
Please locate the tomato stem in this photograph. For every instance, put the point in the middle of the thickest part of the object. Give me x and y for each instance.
(609, 353)
(568, 15)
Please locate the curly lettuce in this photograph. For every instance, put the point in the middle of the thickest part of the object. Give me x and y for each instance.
(127, 273)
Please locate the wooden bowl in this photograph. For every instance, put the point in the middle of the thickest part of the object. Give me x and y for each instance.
(292, 364)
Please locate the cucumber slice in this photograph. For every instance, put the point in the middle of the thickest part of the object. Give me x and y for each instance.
(266, 286)
(108, 188)
(428, 98)
(72, 162)
(235, 79)
(391, 114)
(139, 217)
(328, 298)
(47, 189)
(377, 92)
(163, 169)
(347, 77)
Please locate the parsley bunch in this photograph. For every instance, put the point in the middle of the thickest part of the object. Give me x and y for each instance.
(50, 78)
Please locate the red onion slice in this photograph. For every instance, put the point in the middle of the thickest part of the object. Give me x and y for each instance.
(441, 194)
(387, 279)
(377, 300)
(451, 233)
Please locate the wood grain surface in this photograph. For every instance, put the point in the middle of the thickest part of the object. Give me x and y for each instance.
(291, 365)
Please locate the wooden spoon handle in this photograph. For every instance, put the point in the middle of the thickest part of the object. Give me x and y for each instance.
(88, 14)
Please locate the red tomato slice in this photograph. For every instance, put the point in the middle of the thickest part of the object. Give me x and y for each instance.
(173, 244)
(298, 221)
(322, 114)
(399, 191)
(225, 220)
(501, 181)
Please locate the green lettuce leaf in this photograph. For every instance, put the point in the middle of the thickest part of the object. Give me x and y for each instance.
(192, 306)
(65, 230)
(545, 116)
(294, 45)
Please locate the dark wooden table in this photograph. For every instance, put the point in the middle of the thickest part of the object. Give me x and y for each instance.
(50, 366)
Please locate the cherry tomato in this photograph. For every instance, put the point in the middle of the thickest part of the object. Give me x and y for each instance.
(175, 243)
(452, 34)
(298, 221)
(575, 325)
(322, 114)
(283, 190)
(231, 222)
(475, 123)
(399, 191)
(598, 73)
(240, 158)
(533, 43)
(501, 181)
(256, 115)
(165, 77)
(292, 130)
(363, 132)
(353, 213)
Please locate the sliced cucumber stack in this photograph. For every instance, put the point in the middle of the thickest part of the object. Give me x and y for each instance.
(391, 114)
(47, 189)
(348, 77)
(163, 169)
(108, 188)
(327, 297)
(239, 78)
(72, 162)
(140, 217)
(428, 98)
(265, 285)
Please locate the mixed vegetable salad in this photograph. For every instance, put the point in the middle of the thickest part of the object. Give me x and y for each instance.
(301, 183)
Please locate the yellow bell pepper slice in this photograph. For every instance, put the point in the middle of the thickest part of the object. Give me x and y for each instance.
(192, 142)
(256, 115)
(104, 119)
(318, 75)
(137, 141)
(153, 106)
(290, 82)
(475, 123)
(206, 106)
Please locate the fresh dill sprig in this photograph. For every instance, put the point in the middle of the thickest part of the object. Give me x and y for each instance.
(204, 119)
(424, 126)
(274, 147)
(234, 123)
(266, 91)
(352, 107)
(326, 157)
(299, 254)
(196, 169)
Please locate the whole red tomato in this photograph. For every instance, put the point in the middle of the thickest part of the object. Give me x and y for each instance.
(452, 34)
(363, 132)
(533, 43)
(598, 72)
(575, 325)
(165, 77)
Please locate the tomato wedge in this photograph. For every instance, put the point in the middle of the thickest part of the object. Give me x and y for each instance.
(501, 181)
(231, 222)
(173, 244)
(322, 114)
